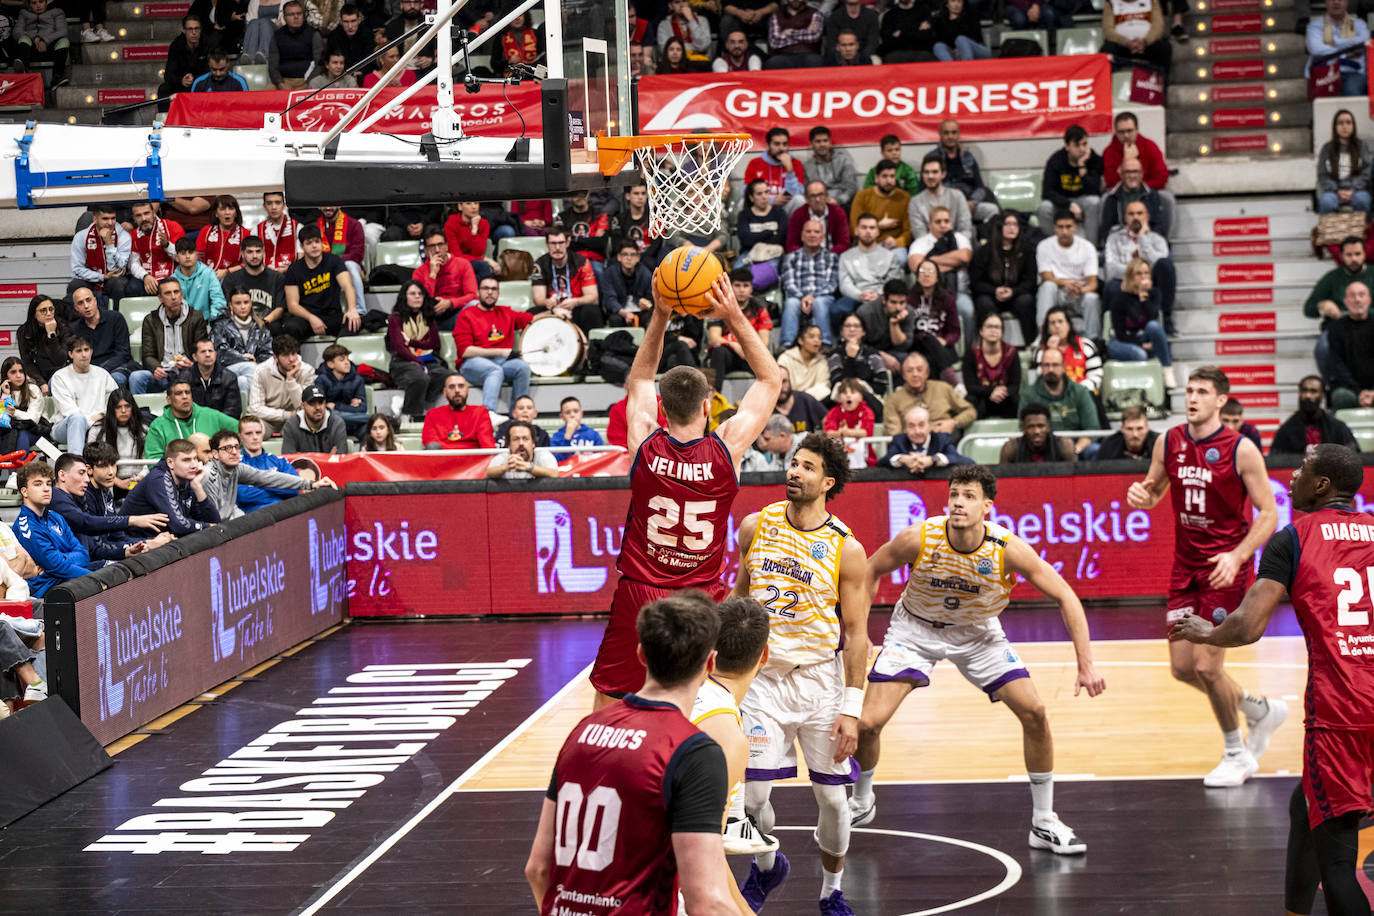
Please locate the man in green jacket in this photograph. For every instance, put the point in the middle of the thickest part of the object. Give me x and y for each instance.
(183, 417)
(1329, 293)
(1070, 404)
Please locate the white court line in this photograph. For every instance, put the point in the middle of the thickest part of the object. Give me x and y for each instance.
(983, 780)
(449, 790)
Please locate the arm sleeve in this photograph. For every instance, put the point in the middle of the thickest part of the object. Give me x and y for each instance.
(695, 786)
(162, 494)
(1279, 561)
(78, 260)
(258, 477)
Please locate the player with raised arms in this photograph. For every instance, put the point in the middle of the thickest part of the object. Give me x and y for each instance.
(807, 569)
(1324, 563)
(682, 483)
(1211, 470)
(963, 569)
(632, 814)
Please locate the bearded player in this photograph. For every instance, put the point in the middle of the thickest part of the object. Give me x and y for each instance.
(807, 569)
(682, 483)
(1324, 563)
(1212, 469)
(963, 569)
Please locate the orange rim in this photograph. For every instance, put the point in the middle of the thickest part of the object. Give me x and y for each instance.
(614, 153)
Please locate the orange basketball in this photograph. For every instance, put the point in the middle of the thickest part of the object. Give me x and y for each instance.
(684, 277)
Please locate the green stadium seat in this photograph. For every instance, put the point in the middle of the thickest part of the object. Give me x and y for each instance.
(534, 244)
(1356, 416)
(253, 212)
(1015, 189)
(406, 254)
(1121, 87)
(983, 451)
(154, 402)
(1036, 35)
(994, 425)
(272, 446)
(1147, 376)
(135, 309)
(517, 294)
(368, 350)
(1364, 437)
(1082, 40)
(410, 442)
(255, 75)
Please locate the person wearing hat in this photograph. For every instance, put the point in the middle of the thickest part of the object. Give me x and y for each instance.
(314, 428)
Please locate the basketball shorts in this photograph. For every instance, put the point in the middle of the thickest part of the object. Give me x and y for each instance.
(1337, 770)
(1190, 593)
(788, 708)
(617, 670)
(981, 652)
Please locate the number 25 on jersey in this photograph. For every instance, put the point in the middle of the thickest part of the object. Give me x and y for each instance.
(1352, 593)
(668, 513)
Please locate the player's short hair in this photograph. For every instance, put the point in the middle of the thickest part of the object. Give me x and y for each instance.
(334, 351)
(1351, 240)
(1075, 133)
(100, 455)
(849, 384)
(1064, 213)
(247, 418)
(834, 459)
(1133, 412)
(975, 473)
(1341, 465)
(776, 131)
(884, 165)
(820, 130)
(570, 399)
(889, 140)
(934, 156)
(743, 635)
(185, 244)
(1034, 409)
(1123, 117)
(74, 341)
(683, 388)
(34, 470)
(66, 460)
(309, 232)
(1233, 407)
(895, 288)
(179, 447)
(940, 209)
(251, 241)
(221, 436)
(1312, 377)
(285, 345)
(1212, 374)
(677, 633)
(510, 428)
(176, 383)
(866, 215)
(742, 275)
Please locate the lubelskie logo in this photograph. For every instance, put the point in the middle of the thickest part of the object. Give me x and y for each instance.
(240, 605)
(328, 579)
(904, 509)
(132, 656)
(555, 570)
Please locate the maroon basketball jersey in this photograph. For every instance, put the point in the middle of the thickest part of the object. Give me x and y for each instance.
(612, 837)
(1333, 594)
(1211, 506)
(680, 498)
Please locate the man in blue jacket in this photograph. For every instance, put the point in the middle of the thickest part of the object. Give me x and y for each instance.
(251, 432)
(106, 537)
(174, 487)
(45, 535)
(918, 449)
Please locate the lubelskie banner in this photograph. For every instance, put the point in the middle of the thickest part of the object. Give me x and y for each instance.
(991, 99)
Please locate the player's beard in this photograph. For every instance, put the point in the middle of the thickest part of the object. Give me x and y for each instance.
(799, 494)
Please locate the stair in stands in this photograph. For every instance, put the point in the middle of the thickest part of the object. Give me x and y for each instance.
(117, 74)
(1237, 87)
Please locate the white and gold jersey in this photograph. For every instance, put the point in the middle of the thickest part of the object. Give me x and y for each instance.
(714, 700)
(947, 586)
(796, 575)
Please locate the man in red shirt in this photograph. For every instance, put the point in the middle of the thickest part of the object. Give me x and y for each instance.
(457, 425)
(1128, 144)
(467, 235)
(485, 336)
(1321, 562)
(776, 166)
(448, 279)
(153, 249)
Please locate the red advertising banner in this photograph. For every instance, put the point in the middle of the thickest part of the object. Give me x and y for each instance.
(147, 52)
(21, 89)
(1240, 249)
(1242, 143)
(1251, 93)
(121, 96)
(1245, 273)
(18, 290)
(393, 466)
(993, 99)
(554, 552)
(1237, 117)
(1245, 347)
(1238, 69)
(1248, 322)
(1241, 225)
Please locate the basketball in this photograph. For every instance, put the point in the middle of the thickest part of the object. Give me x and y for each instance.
(684, 277)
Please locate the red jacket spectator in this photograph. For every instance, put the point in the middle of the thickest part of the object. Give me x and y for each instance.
(771, 172)
(466, 428)
(343, 235)
(456, 281)
(1151, 162)
(836, 228)
(618, 428)
(463, 242)
(219, 248)
(278, 242)
(535, 215)
(152, 257)
(495, 328)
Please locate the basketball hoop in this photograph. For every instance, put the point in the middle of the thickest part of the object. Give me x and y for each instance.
(685, 174)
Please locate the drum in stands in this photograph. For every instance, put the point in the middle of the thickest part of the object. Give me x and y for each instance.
(552, 346)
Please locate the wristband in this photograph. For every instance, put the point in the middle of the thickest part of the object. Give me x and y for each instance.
(853, 704)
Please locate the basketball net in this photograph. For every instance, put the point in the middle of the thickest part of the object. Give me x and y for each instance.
(685, 177)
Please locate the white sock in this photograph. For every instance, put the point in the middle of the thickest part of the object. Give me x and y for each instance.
(736, 812)
(1254, 707)
(766, 861)
(1233, 741)
(830, 882)
(863, 788)
(1042, 795)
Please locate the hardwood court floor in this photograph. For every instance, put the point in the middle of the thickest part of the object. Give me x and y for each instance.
(447, 828)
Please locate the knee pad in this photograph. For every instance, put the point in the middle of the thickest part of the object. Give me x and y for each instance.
(832, 824)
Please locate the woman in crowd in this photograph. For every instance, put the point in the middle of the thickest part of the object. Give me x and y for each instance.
(806, 365)
(1136, 332)
(1343, 168)
(262, 20)
(412, 338)
(122, 428)
(218, 243)
(517, 44)
(762, 229)
(852, 358)
(42, 346)
(1082, 362)
(684, 24)
(1003, 274)
(673, 58)
(958, 34)
(992, 372)
(937, 322)
(23, 420)
(380, 435)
